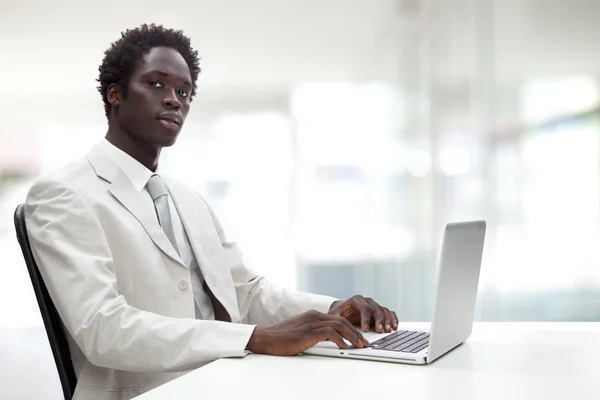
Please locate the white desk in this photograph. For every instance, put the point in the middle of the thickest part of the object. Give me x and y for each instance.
(500, 361)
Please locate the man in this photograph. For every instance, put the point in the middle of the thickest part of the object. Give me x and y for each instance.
(140, 271)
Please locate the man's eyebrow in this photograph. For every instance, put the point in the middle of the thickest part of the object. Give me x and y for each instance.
(163, 73)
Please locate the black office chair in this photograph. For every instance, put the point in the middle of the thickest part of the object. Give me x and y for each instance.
(52, 322)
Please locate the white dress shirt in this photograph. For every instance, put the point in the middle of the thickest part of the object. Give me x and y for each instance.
(139, 175)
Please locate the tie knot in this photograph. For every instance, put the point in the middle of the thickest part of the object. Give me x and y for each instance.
(156, 187)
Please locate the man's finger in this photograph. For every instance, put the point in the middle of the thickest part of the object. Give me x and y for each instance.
(379, 317)
(326, 333)
(388, 320)
(345, 332)
(353, 329)
(394, 320)
(365, 313)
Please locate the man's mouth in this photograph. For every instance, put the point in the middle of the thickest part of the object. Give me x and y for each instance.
(169, 123)
(170, 118)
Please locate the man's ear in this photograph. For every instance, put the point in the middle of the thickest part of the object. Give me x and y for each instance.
(114, 95)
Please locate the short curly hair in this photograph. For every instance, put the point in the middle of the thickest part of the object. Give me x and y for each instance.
(124, 55)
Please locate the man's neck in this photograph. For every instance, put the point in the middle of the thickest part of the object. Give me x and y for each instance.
(139, 151)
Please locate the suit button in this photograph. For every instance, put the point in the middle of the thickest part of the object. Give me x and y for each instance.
(183, 285)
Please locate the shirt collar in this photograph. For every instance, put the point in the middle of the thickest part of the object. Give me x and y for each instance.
(137, 173)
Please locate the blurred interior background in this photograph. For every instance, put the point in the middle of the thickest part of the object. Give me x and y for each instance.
(335, 138)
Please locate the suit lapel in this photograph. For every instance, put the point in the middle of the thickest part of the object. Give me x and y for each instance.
(197, 222)
(122, 189)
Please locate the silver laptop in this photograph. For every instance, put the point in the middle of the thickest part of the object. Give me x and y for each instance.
(457, 281)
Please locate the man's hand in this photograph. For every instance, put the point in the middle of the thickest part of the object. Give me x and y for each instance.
(303, 331)
(366, 312)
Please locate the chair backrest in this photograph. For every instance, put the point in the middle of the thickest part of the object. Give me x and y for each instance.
(52, 322)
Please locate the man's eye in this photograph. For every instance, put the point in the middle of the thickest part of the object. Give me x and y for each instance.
(155, 84)
(184, 93)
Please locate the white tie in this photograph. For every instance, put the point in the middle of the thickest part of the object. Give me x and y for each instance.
(158, 191)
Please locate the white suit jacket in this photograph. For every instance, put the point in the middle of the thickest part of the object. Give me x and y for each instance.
(121, 290)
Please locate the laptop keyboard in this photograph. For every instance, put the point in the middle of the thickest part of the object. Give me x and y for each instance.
(402, 341)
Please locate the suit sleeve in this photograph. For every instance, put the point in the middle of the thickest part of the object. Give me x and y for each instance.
(75, 261)
(261, 302)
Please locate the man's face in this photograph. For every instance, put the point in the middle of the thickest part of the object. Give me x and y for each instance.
(158, 98)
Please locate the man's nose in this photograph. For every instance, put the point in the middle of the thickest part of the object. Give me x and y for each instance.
(170, 100)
